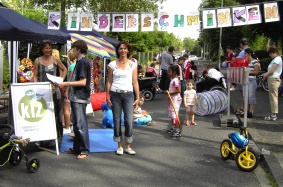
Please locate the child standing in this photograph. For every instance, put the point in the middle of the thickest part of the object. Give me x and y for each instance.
(190, 100)
(174, 91)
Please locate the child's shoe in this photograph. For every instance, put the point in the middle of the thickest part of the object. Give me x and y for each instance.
(176, 134)
(170, 131)
(187, 123)
(194, 123)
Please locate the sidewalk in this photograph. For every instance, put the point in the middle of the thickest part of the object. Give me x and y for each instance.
(267, 135)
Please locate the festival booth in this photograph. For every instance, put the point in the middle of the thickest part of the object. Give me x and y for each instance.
(31, 111)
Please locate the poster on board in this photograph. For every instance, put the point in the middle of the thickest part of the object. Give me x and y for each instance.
(33, 111)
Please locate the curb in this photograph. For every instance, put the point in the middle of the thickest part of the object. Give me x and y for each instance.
(269, 161)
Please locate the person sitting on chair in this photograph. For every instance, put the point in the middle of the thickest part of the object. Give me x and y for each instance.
(214, 77)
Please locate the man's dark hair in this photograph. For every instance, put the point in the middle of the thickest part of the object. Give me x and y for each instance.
(229, 47)
(80, 45)
(244, 41)
(171, 49)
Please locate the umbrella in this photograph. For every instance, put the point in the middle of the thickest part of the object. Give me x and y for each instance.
(93, 47)
(106, 45)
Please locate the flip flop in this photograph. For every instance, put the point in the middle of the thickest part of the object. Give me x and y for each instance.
(82, 156)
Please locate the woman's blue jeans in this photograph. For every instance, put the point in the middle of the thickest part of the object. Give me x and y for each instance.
(123, 102)
(80, 125)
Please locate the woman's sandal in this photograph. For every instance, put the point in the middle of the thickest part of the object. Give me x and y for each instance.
(194, 123)
(83, 156)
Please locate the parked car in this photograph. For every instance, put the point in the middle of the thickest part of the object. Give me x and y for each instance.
(193, 57)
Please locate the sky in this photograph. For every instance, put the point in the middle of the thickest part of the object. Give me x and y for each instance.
(181, 6)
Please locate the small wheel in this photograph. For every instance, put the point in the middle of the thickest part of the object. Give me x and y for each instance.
(246, 161)
(15, 158)
(265, 85)
(148, 95)
(224, 149)
(33, 165)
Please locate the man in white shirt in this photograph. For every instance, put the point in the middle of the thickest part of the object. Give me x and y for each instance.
(214, 78)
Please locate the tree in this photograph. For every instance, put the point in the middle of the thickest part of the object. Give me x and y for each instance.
(189, 44)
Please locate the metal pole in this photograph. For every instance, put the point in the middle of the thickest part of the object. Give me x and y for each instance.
(220, 37)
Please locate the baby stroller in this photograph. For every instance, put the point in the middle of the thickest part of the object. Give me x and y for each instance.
(147, 87)
(11, 151)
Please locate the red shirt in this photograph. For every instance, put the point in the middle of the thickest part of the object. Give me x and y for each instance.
(229, 57)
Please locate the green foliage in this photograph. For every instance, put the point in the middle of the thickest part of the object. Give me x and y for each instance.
(189, 44)
(259, 43)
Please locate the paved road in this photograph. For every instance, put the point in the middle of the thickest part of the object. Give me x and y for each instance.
(192, 160)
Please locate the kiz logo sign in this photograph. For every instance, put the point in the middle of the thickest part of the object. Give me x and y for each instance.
(32, 107)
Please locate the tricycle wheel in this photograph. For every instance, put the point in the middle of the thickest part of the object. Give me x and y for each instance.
(16, 157)
(246, 160)
(33, 165)
(225, 148)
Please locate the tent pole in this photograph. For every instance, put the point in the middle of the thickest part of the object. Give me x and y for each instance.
(1, 67)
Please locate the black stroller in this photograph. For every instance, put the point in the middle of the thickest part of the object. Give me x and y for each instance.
(11, 151)
(147, 87)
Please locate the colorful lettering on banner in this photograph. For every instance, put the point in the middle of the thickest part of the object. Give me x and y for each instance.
(73, 22)
(240, 16)
(147, 22)
(224, 18)
(54, 20)
(103, 22)
(132, 22)
(86, 22)
(163, 19)
(118, 22)
(253, 14)
(209, 19)
(271, 12)
(193, 20)
(179, 20)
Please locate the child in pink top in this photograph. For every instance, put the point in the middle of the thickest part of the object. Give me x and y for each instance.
(174, 91)
(190, 100)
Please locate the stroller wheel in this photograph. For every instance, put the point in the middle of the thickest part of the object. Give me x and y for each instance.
(33, 165)
(148, 95)
(16, 157)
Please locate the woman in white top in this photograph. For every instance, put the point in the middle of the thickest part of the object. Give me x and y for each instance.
(273, 79)
(122, 77)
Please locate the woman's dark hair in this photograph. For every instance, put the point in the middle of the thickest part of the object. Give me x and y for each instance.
(80, 45)
(272, 49)
(42, 45)
(250, 52)
(175, 69)
(127, 44)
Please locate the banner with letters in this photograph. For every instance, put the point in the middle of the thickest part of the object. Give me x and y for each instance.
(135, 22)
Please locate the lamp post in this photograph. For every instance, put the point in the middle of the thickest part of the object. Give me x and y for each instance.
(220, 38)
